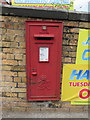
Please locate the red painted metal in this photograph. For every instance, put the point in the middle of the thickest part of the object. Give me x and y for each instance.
(43, 73)
(43, 35)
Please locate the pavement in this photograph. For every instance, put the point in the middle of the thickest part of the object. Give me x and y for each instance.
(44, 114)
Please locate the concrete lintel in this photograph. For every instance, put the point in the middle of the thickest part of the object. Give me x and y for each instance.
(47, 13)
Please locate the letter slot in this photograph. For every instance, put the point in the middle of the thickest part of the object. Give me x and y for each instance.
(44, 36)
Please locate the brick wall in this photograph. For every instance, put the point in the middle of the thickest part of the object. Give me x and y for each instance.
(13, 52)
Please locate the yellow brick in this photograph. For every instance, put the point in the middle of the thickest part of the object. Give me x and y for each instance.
(9, 94)
(4, 56)
(6, 84)
(23, 74)
(22, 45)
(6, 67)
(24, 57)
(71, 23)
(1, 17)
(3, 78)
(18, 89)
(15, 32)
(19, 51)
(3, 31)
(14, 44)
(0, 108)
(23, 104)
(21, 84)
(18, 109)
(9, 89)
(5, 89)
(6, 44)
(8, 50)
(74, 30)
(15, 19)
(0, 36)
(67, 59)
(76, 37)
(6, 18)
(12, 99)
(0, 98)
(9, 73)
(0, 44)
(1, 54)
(84, 24)
(17, 79)
(7, 37)
(0, 94)
(18, 56)
(7, 25)
(72, 54)
(7, 78)
(22, 20)
(17, 26)
(6, 108)
(22, 95)
(9, 62)
(24, 79)
(8, 103)
(20, 39)
(22, 62)
(10, 56)
(18, 19)
(18, 68)
(73, 60)
(74, 42)
(0, 67)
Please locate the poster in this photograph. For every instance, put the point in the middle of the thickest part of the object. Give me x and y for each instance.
(83, 55)
(76, 83)
(43, 1)
(56, 4)
(83, 48)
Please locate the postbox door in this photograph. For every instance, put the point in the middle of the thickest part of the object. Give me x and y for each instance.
(43, 62)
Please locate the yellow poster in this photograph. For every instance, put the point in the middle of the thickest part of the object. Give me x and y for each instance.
(80, 102)
(83, 48)
(56, 4)
(83, 55)
(76, 83)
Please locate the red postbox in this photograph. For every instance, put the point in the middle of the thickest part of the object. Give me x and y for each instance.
(43, 59)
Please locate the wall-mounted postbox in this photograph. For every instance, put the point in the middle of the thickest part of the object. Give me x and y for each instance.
(43, 60)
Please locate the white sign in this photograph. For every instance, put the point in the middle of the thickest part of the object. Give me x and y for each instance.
(43, 54)
(43, 1)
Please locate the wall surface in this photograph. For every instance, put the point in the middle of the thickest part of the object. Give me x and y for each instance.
(13, 53)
